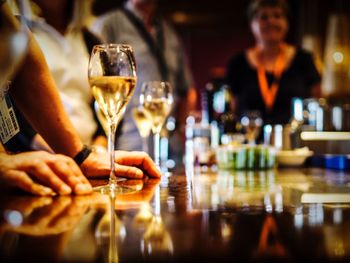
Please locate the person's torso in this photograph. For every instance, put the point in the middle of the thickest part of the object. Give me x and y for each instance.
(122, 30)
(293, 83)
(67, 59)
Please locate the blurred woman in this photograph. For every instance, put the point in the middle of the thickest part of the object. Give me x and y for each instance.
(268, 75)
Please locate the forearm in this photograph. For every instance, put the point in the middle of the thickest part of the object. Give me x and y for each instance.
(40, 103)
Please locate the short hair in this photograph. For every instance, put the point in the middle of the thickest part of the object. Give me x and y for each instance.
(256, 5)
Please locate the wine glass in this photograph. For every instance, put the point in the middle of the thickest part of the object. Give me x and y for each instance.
(112, 78)
(143, 125)
(156, 98)
(101, 117)
(251, 122)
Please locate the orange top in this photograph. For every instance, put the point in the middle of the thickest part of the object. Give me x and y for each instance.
(269, 94)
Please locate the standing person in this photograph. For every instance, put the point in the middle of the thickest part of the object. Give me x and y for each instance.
(61, 32)
(41, 173)
(159, 55)
(268, 75)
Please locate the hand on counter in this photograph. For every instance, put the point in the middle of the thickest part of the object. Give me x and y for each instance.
(133, 165)
(41, 216)
(42, 173)
(144, 191)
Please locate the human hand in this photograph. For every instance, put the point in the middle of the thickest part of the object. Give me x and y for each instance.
(144, 191)
(133, 165)
(46, 215)
(42, 173)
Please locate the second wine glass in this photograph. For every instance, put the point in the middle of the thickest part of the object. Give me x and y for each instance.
(156, 98)
(251, 122)
(112, 77)
(143, 125)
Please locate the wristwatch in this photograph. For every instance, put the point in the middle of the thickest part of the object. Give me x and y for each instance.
(81, 156)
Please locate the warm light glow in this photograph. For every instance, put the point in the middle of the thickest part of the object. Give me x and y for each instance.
(13, 217)
(338, 57)
(180, 17)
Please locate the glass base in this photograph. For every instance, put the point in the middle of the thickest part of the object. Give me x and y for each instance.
(167, 173)
(164, 171)
(116, 189)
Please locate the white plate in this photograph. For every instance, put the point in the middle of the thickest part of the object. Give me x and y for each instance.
(293, 158)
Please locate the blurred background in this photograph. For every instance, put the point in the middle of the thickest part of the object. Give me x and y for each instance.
(213, 31)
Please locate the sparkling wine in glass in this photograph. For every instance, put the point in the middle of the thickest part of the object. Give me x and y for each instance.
(156, 98)
(112, 78)
(251, 122)
(143, 125)
(101, 117)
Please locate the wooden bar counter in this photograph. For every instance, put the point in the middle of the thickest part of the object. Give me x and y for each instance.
(282, 215)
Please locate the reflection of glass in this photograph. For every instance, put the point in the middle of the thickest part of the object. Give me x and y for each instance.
(156, 239)
(13, 43)
(337, 242)
(144, 216)
(108, 230)
(251, 122)
(112, 77)
(143, 124)
(156, 98)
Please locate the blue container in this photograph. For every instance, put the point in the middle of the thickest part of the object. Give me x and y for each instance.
(338, 162)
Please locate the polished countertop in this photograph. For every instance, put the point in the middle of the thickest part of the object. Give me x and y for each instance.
(288, 215)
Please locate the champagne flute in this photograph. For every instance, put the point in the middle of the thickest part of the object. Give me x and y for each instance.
(156, 98)
(143, 125)
(101, 117)
(112, 77)
(251, 122)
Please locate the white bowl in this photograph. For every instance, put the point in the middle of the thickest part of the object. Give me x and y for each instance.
(293, 158)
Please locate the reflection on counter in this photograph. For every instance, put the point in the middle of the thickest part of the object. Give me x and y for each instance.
(237, 189)
(53, 229)
(33, 227)
(254, 216)
(267, 189)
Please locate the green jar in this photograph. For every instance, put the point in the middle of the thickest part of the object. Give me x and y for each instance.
(245, 157)
(259, 157)
(231, 157)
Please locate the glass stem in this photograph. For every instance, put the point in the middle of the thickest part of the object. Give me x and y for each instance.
(157, 149)
(157, 201)
(111, 144)
(112, 255)
(145, 144)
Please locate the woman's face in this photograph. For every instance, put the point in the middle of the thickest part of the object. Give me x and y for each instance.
(269, 25)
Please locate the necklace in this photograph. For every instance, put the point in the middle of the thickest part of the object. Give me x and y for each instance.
(269, 93)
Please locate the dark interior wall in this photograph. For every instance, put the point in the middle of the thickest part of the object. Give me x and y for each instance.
(212, 31)
(213, 41)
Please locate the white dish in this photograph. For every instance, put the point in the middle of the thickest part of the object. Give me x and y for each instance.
(293, 158)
